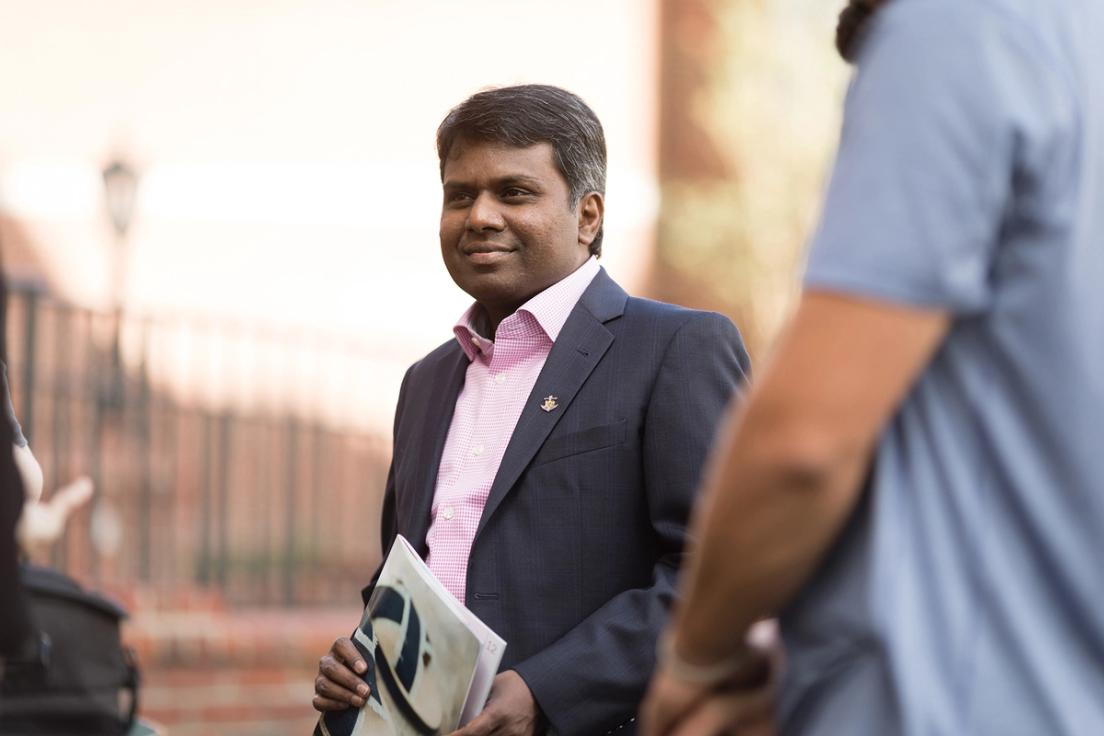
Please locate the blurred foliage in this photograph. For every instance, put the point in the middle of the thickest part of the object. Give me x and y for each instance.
(766, 97)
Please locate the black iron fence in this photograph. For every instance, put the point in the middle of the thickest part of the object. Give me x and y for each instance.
(203, 485)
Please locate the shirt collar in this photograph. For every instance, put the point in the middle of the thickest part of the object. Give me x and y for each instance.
(550, 308)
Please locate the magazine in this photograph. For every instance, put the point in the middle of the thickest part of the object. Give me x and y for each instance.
(431, 661)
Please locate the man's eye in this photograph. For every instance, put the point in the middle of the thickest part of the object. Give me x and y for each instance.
(457, 197)
(514, 193)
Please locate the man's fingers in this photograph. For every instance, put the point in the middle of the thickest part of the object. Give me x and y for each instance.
(347, 653)
(660, 721)
(324, 704)
(331, 690)
(667, 702)
(335, 680)
(43, 522)
(337, 687)
(740, 712)
(68, 499)
(483, 724)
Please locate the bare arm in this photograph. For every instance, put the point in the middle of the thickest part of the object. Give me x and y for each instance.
(787, 472)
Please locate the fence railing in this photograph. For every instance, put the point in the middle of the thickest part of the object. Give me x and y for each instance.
(200, 488)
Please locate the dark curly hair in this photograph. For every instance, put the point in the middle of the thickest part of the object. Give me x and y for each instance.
(852, 22)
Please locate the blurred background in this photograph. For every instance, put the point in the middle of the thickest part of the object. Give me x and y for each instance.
(218, 224)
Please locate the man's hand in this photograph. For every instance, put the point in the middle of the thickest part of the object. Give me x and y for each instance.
(675, 708)
(511, 710)
(744, 705)
(43, 522)
(338, 685)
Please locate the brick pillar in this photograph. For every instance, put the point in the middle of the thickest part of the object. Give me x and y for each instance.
(749, 100)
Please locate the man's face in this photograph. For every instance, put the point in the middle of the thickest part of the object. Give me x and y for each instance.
(508, 230)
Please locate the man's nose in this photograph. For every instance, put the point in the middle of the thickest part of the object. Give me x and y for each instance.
(484, 214)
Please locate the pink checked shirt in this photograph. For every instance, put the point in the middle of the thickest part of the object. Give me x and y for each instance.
(498, 382)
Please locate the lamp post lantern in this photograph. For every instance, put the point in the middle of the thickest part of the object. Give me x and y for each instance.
(121, 189)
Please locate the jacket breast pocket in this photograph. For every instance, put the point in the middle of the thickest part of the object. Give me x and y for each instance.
(585, 440)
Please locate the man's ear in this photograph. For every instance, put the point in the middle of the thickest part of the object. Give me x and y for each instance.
(591, 210)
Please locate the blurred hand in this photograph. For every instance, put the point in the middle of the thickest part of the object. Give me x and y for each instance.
(674, 708)
(338, 685)
(743, 705)
(43, 522)
(511, 710)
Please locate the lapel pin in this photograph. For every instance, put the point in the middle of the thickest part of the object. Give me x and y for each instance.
(550, 403)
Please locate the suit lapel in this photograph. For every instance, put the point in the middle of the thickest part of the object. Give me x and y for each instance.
(439, 411)
(579, 347)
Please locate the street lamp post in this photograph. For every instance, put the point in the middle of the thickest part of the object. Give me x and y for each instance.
(120, 191)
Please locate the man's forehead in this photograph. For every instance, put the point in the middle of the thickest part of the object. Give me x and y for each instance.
(484, 155)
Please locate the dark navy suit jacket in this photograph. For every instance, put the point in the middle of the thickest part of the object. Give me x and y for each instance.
(575, 559)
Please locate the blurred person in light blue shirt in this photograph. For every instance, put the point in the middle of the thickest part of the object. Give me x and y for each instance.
(917, 483)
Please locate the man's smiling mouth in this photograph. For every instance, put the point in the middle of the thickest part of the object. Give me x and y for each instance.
(485, 249)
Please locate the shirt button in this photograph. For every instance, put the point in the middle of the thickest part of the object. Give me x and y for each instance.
(500, 378)
(477, 450)
(448, 513)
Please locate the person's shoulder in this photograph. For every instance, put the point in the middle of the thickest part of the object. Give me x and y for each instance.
(934, 10)
(943, 22)
(669, 314)
(664, 319)
(1024, 56)
(710, 338)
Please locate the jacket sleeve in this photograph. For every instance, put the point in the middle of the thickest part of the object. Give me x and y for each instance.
(591, 681)
(388, 528)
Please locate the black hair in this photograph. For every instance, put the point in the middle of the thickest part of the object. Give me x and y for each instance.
(853, 22)
(525, 115)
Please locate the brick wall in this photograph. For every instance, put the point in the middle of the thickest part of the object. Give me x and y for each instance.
(212, 671)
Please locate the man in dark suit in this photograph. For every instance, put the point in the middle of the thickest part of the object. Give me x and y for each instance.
(545, 460)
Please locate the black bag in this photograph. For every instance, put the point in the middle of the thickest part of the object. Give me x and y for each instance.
(75, 678)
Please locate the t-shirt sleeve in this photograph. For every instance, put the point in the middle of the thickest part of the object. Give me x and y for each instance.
(924, 172)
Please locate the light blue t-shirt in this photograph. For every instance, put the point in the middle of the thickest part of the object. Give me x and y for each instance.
(966, 594)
